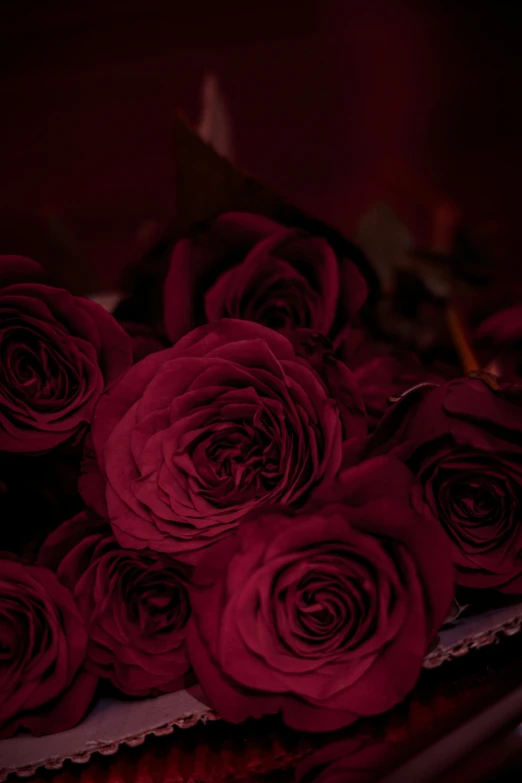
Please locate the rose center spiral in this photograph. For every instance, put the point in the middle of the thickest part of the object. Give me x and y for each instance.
(243, 454)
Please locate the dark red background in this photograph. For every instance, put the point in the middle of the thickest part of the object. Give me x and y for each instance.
(333, 102)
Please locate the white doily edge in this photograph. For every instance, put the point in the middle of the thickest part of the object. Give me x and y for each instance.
(475, 641)
(433, 660)
(110, 749)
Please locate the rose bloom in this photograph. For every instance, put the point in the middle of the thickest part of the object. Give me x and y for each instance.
(246, 266)
(326, 615)
(196, 436)
(58, 352)
(43, 644)
(134, 604)
(463, 440)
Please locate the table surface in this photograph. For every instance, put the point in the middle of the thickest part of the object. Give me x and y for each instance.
(443, 699)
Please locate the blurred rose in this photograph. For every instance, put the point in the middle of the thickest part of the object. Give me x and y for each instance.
(327, 615)
(246, 266)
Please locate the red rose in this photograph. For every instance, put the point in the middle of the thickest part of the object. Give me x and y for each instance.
(134, 604)
(463, 440)
(246, 266)
(42, 648)
(58, 352)
(195, 437)
(325, 616)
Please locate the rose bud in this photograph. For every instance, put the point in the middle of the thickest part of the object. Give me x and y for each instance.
(243, 265)
(59, 352)
(324, 615)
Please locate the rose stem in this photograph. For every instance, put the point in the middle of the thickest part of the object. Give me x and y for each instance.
(460, 340)
(444, 223)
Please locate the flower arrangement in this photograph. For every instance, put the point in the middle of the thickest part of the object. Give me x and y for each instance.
(254, 475)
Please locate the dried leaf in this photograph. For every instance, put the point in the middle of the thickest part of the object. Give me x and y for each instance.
(455, 610)
(461, 341)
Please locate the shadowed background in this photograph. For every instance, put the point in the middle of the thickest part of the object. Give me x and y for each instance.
(336, 104)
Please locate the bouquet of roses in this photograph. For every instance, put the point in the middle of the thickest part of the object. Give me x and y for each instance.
(242, 477)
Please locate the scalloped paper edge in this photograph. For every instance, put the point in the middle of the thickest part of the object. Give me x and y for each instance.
(113, 723)
(110, 749)
(473, 633)
(110, 725)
